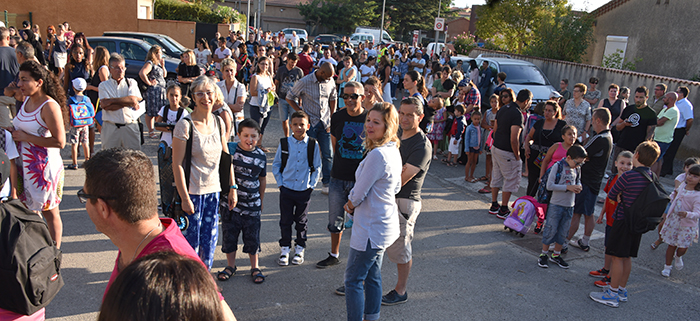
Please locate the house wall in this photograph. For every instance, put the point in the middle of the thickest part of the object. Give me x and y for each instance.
(182, 31)
(663, 33)
(555, 70)
(456, 27)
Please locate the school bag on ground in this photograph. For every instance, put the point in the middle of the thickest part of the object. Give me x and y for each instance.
(81, 114)
(525, 210)
(645, 212)
(30, 263)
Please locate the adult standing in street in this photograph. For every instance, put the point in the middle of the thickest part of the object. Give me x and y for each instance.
(306, 63)
(120, 199)
(657, 102)
(636, 124)
(234, 94)
(577, 112)
(119, 99)
(592, 96)
(505, 153)
(153, 75)
(9, 67)
(486, 77)
(316, 95)
(666, 122)
(347, 126)
(287, 75)
(685, 122)
(415, 154)
(614, 104)
(372, 202)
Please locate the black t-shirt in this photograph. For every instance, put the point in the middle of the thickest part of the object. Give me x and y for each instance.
(598, 148)
(9, 68)
(287, 78)
(186, 71)
(545, 138)
(509, 115)
(416, 150)
(350, 149)
(633, 135)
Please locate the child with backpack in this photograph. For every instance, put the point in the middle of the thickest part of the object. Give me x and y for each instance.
(296, 168)
(623, 243)
(472, 146)
(623, 163)
(456, 134)
(558, 151)
(681, 226)
(81, 117)
(561, 204)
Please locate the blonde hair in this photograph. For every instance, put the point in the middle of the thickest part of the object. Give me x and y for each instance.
(101, 58)
(228, 62)
(457, 76)
(391, 124)
(189, 58)
(151, 56)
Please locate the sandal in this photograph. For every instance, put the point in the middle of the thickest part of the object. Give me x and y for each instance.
(257, 276)
(482, 178)
(226, 273)
(485, 190)
(656, 244)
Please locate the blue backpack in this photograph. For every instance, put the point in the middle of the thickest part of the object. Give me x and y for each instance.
(544, 195)
(81, 112)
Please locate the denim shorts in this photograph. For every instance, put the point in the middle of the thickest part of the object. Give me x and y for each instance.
(285, 110)
(664, 147)
(585, 201)
(338, 191)
(556, 227)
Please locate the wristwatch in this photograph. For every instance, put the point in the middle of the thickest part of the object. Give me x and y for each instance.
(234, 186)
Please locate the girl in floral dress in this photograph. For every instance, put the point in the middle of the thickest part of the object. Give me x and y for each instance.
(436, 132)
(681, 226)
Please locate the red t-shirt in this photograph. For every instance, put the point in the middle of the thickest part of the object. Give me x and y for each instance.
(170, 240)
(305, 63)
(6, 315)
(610, 205)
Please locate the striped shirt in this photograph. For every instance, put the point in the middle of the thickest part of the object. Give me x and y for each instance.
(628, 186)
(316, 98)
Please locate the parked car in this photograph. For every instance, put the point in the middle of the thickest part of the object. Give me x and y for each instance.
(358, 38)
(301, 33)
(520, 74)
(170, 46)
(134, 52)
(327, 39)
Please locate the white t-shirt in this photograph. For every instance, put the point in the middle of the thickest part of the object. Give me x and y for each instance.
(418, 61)
(202, 56)
(11, 151)
(172, 115)
(221, 54)
(372, 52)
(230, 97)
(366, 69)
(331, 60)
(295, 41)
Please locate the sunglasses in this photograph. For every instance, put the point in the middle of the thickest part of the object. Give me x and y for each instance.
(84, 197)
(351, 96)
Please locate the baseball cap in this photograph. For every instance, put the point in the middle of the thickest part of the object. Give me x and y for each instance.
(554, 94)
(79, 84)
(463, 83)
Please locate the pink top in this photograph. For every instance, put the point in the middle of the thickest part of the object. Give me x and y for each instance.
(687, 201)
(6, 315)
(558, 155)
(170, 240)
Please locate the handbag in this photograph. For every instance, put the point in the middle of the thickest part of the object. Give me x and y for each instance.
(224, 171)
(174, 210)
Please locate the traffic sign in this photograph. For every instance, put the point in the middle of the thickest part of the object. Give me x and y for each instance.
(439, 24)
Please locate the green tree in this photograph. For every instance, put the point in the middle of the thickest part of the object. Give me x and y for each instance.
(404, 16)
(566, 37)
(511, 24)
(198, 11)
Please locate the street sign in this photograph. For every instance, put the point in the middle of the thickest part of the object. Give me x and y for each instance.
(416, 34)
(439, 24)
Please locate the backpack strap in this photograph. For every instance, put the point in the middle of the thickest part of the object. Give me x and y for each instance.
(310, 149)
(180, 111)
(284, 145)
(188, 153)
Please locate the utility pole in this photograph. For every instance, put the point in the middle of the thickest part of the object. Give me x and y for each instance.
(381, 28)
(437, 32)
(247, 20)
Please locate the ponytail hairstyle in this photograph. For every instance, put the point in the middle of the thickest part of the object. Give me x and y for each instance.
(51, 87)
(420, 82)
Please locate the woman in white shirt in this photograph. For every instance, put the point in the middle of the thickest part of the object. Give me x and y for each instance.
(203, 53)
(376, 221)
(260, 85)
(234, 95)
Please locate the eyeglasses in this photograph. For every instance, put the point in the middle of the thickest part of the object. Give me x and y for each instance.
(84, 197)
(200, 94)
(351, 96)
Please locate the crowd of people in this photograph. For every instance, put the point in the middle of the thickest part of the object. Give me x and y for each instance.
(341, 127)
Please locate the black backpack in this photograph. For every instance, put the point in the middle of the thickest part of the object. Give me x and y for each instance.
(645, 212)
(284, 144)
(30, 263)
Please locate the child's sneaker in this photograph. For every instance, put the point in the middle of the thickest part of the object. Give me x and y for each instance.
(298, 255)
(284, 256)
(503, 212)
(678, 262)
(559, 261)
(603, 283)
(667, 270)
(599, 273)
(494, 208)
(542, 261)
(607, 297)
(622, 295)
(580, 244)
(538, 227)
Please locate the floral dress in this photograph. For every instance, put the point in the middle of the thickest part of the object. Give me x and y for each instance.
(155, 95)
(436, 133)
(40, 169)
(678, 231)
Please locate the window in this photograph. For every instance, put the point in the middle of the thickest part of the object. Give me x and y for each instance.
(110, 45)
(132, 51)
(524, 74)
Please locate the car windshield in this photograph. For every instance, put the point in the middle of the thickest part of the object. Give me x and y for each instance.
(172, 42)
(524, 75)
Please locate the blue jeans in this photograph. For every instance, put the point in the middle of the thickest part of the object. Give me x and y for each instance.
(556, 227)
(338, 192)
(324, 142)
(364, 266)
(203, 231)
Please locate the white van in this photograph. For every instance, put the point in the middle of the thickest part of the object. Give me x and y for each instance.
(358, 38)
(375, 32)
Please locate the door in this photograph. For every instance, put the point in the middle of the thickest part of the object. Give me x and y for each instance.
(204, 30)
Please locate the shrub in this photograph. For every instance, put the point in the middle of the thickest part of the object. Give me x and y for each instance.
(464, 43)
(197, 12)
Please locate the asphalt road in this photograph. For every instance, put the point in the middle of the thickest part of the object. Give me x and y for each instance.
(466, 267)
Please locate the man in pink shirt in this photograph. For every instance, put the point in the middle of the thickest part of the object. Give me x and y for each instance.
(120, 198)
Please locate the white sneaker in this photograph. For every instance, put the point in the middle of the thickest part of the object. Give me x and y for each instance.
(324, 190)
(284, 256)
(678, 262)
(666, 271)
(298, 255)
